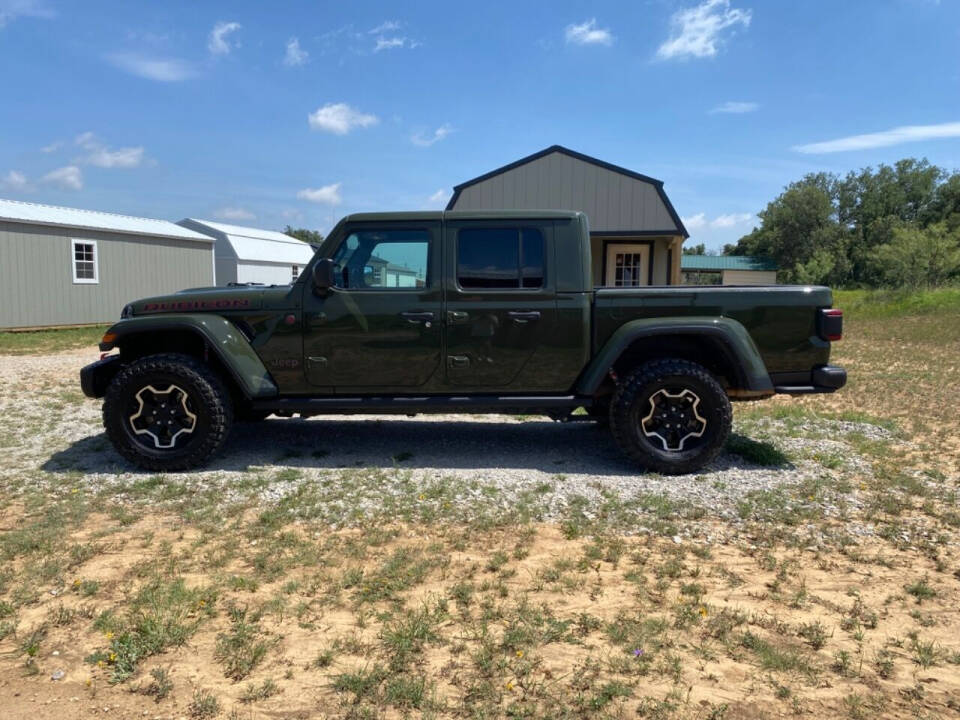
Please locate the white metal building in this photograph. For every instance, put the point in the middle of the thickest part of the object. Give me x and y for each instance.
(65, 266)
(252, 255)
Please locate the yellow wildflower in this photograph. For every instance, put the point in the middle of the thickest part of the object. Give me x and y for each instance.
(519, 653)
(703, 611)
(509, 686)
(113, 657)
(108, 634)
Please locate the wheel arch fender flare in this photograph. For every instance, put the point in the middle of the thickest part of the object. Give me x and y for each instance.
(221, 336)
(731, 335)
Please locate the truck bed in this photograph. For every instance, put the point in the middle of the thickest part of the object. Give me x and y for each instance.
(781, 319)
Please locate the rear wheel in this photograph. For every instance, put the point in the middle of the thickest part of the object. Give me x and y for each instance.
(671, 416)
(167, 412)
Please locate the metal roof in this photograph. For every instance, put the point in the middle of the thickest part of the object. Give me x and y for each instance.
(725, 262)
(658, 184)
(36, 214)
(415, 215)
(255, 244)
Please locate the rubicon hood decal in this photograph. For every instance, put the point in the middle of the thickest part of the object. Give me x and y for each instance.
(185, 305)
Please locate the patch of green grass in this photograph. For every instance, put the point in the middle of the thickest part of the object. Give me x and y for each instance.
(776, 658)
(242, 648)
(757, 452)
(204, 705)
(160, 685)
(39, 342)
(164, 613)
(253, 692)
(897, 303)
(921, 590)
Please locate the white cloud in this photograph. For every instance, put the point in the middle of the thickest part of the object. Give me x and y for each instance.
(10, 10)
(326, 195)
(68, 178)
(695, 222)
(588, 33)
(52, 147)
(102, 156)
(697, 31)
(385, 26)
(159, 69)
(130, 157)
(384, 43)
(439, 198)
(340, 118)
(219, 41)
(421, 140)
(895, 136)
(726, 221)
(700, 221)
(295, 55)
(233, 213)
(735, 108)
(14, 180)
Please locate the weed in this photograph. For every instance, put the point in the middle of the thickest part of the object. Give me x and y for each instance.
(242, 648)
(204, 705)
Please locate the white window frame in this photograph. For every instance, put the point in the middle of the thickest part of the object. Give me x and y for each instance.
(73, 262)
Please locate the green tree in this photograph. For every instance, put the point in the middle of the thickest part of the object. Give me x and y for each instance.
(918, 257)
(700, 249)
(798, 225)
(313, 237)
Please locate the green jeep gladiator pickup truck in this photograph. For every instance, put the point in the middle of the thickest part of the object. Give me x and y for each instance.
(466, 312)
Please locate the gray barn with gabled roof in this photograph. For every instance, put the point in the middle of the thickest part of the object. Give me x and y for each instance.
(636, 235)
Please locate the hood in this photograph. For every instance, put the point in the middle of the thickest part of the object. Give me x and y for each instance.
(211, 299)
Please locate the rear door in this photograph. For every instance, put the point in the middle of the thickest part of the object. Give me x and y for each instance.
(500, 300)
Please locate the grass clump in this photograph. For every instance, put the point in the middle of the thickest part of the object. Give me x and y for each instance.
(759, 453)
(242, 648)
(163, 614)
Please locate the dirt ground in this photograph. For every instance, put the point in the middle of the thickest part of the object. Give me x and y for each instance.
(503, 567)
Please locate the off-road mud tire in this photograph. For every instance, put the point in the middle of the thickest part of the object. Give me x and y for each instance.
(632, 400)
(208, 398)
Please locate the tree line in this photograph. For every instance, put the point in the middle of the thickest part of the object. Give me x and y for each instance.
(890, 227)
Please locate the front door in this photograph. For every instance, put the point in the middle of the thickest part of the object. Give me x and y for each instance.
(380, 328)
(501, 301)
(627, 265)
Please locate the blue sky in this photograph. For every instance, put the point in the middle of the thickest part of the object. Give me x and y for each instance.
(300, 112)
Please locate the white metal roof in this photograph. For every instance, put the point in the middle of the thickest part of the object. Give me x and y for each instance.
(256, 245)
(35, 214)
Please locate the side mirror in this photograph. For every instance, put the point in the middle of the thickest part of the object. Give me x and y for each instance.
(324, 276)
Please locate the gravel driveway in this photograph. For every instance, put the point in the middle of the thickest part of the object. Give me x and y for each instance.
(49, 431)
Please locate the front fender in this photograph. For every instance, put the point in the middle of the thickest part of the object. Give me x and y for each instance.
(733, 337)
(219, 334)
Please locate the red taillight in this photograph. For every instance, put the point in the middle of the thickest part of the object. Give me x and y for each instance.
(831, 324)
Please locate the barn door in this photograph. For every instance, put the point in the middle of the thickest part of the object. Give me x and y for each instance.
(627, 265)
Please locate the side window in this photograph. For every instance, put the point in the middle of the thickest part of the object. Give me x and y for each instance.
(383, 259)
(84, 261)
(500, 258)
(294, 273)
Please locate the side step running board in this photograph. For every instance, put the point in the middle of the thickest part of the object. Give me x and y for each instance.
(508, 404)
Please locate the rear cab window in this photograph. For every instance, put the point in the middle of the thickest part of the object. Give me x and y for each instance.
(500, 258)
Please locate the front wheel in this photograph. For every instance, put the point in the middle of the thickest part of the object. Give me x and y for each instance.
(167, 412)
(671, 416)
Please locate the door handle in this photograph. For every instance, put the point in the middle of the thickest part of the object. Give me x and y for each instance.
(456, 317)
(525, 316)
(415, 318)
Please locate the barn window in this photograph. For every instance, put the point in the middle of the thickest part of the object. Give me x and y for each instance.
(85, 261)
(294, 272)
